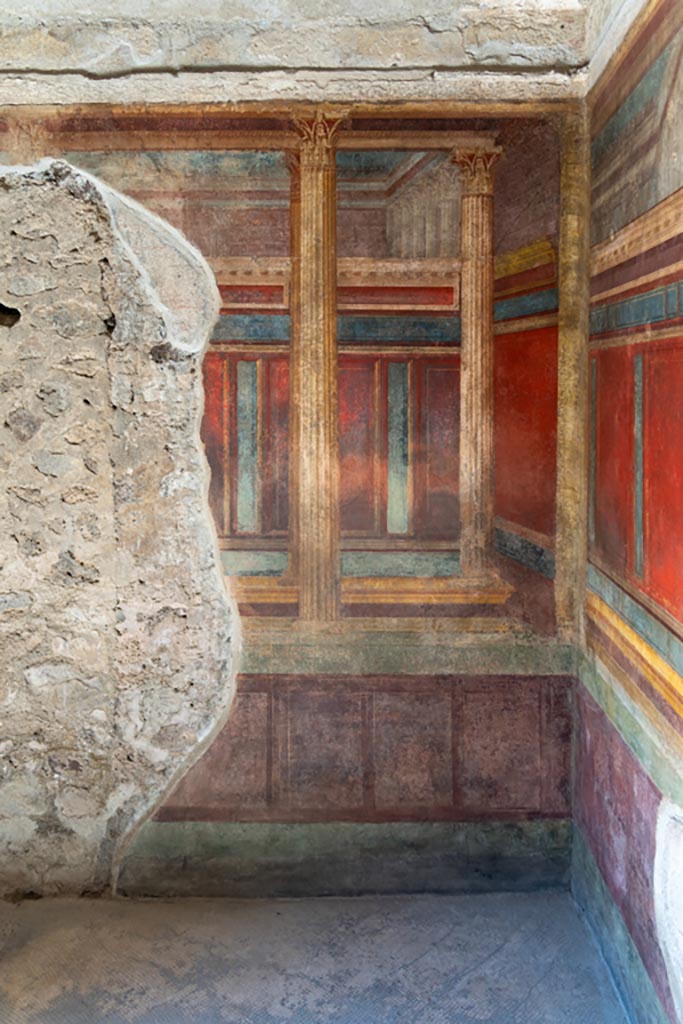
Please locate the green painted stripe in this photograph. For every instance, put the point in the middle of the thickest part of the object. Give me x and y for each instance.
(409, 330)
(400, 563)
(638, 468)
(526, 305)
(345, 858)
(623, 960)
(398, 512)
(393, 651)
(526, 552)
(638, 618)
(593, 449)
(247, 447)
(254, 563)
(658, 753)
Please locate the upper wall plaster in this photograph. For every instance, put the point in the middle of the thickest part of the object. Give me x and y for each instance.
(66, 51)
(170, 35)
(116, 632)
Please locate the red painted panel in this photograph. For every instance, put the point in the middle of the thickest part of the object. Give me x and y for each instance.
(358, 456)
(252, 295)
(212, 432)
(614, 457)
(275, 455)
(663, 455)
(438, 507)
(389, 296)
(525, 431)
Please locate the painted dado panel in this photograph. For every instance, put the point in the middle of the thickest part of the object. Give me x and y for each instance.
(384, 749)
(615, 806)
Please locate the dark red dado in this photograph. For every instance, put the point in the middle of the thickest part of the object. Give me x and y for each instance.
(341, 748)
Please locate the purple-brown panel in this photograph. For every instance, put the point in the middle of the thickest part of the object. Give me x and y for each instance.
(213, 432)
(437, 455)
(384, 748)
(359, 484)
(320, 740)
(500, 746)
(412, 747)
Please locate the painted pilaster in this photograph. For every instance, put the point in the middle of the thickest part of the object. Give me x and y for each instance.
(294, 166)
(314, 350)
(476, 165)
(572, 412)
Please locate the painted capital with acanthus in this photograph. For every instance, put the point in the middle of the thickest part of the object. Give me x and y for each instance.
(476, 168)
(317, 136)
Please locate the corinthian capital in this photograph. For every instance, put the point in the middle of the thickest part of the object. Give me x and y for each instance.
(476, 167)
(317, 135)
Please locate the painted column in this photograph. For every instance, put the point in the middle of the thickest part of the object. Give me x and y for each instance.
(294, 165)
(572, 411)
(314, 350)
(476, 363)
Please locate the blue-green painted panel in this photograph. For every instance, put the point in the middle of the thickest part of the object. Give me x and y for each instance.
(399, 330)
(247, 447)
(400, 563)
(649, 307)
(369, 164)
(526, 305)
(592, 454)
(645, 92)
(252, 327)
(638, 483)
(254, 563)
(666, 643)
(398, 511)
(526, 552)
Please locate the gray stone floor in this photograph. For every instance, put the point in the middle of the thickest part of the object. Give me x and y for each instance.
(491, 959)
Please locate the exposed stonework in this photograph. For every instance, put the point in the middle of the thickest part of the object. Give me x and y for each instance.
(116, 632)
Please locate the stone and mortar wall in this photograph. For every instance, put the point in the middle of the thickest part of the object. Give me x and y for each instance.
(116, 632)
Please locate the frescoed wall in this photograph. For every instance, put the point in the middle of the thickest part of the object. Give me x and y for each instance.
(630, 726)
(457, 753)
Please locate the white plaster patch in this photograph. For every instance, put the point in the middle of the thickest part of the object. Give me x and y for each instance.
(668, 887)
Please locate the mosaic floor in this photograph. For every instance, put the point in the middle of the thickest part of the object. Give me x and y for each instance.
(492, 959)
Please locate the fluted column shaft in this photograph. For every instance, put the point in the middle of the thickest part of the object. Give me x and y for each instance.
(314, 349)
(476, 370)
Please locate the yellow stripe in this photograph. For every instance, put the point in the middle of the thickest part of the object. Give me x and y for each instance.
(665, 680)
(526, 258)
